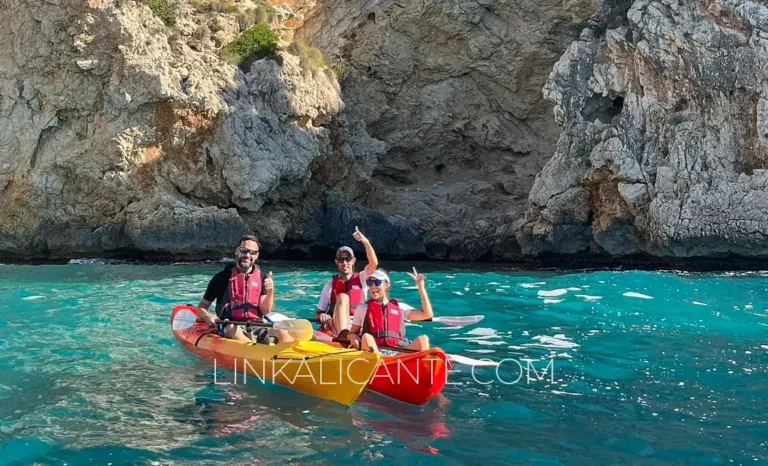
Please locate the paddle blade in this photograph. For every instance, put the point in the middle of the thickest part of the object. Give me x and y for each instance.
(299, 329)
(471, 362)
(458, 321)
(184, 320)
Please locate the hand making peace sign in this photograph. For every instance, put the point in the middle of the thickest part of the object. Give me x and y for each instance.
(418, 278)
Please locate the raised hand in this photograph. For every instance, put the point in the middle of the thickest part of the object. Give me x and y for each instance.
(359, 236)
(418, 278)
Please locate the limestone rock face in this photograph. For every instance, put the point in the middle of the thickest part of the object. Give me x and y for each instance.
(663, 149)
(453, 88)
(458, 129)
(120, 134)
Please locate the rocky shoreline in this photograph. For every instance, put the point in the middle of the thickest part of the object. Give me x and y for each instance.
(465, 130)
(321, 258)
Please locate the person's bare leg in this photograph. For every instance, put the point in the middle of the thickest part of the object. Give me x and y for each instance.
(421, 343)
(341, 313)
(368, 343)
(281, 335)
(235, 333)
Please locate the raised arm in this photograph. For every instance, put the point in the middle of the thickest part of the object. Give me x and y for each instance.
(373, 261)
(426, 307)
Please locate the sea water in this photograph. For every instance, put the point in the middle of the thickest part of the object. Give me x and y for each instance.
(595, 368)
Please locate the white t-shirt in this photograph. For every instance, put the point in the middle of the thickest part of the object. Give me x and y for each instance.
(325, 295)
(359, 316)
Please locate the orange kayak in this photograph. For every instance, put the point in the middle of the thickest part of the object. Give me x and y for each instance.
(309, 367)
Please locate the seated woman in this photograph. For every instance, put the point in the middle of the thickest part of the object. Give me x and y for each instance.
(380, 321)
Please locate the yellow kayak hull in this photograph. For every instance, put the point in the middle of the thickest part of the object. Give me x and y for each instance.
(309, 367)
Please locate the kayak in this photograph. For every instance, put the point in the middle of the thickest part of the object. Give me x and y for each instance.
(309, 367)
(413, 378)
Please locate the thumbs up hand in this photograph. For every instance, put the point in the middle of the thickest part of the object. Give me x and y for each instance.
(269, 285)
(359, 236)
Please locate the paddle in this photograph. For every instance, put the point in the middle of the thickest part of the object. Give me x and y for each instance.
(454, 321)
(276, 317)
(299, 329)
(451, 357)
(451, 321)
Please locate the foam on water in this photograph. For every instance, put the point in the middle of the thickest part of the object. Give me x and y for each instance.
(483, 331)
(486, 342)
(557, 341)
(552, 293)
(532, 285)
(588, 297)
(632, 294)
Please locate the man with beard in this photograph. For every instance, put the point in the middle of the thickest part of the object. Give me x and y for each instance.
(346, 290)
(241, 293)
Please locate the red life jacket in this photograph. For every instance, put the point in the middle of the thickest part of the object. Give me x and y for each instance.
(385, 323)
(244, 294)
(352, 287)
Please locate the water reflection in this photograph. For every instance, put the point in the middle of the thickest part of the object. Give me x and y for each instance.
(237, 410)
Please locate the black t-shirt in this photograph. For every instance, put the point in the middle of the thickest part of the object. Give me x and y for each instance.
(218, 287)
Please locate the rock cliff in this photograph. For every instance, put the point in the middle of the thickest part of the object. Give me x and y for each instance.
(458, 129)
(120, 134)
(453, 90)
(663, 150)
(125, 133)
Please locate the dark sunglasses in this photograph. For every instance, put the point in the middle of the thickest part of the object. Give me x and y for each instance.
(373, 281)
(247, 251)
(345, 259)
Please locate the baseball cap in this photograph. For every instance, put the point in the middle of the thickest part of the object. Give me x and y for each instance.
(346, 249)
(381, 275)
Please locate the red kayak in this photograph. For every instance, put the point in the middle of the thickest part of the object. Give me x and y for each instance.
(413, 378)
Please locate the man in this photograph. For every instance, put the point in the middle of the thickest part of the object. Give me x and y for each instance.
(346, 290)
(241, 293)
(381, 321)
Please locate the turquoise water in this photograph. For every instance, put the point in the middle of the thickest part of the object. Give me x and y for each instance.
(648, 367)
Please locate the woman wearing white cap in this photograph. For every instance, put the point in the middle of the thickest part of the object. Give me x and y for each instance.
(381, 321)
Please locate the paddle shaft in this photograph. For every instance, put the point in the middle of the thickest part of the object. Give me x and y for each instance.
(252, 323)
(394, 348)
(432, 319)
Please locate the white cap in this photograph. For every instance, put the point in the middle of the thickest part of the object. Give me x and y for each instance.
(345, 249)
(380, 275)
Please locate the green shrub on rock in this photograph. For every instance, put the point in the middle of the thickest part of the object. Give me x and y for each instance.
(165, 10)
(256, 42)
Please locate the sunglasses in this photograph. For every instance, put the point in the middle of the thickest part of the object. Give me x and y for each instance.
(245, 251)
(374, 281)
(345, 259)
